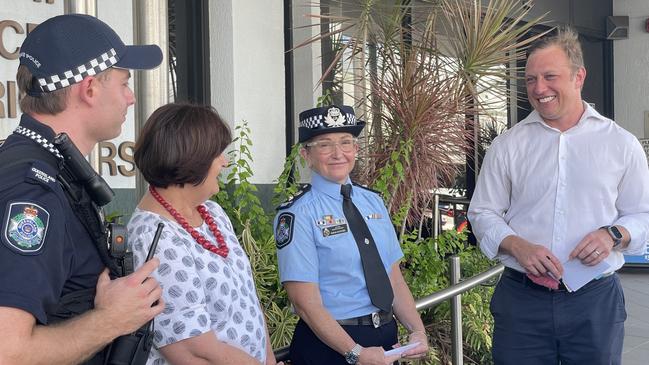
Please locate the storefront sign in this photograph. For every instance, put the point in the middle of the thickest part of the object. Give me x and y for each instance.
(17, 19)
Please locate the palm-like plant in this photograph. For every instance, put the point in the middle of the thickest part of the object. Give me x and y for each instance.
(425, 85)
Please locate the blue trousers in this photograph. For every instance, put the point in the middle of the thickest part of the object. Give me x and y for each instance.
(540, 327)
(307, 349)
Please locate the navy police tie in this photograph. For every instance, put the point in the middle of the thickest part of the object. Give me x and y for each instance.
(376, 279)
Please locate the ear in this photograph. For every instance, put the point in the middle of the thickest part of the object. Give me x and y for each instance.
(305, 155)
(88, 90)
(580, 77)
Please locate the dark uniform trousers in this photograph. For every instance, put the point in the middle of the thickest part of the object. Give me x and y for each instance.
(307, 349)
(536, 326)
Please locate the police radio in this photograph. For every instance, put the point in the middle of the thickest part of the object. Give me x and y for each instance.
(117, 248)
(133, 349)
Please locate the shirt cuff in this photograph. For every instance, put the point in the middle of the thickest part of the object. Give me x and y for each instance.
(638, 233)
(492, 239)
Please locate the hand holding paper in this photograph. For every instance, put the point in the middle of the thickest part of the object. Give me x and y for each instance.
(400, 350)
(576, 274)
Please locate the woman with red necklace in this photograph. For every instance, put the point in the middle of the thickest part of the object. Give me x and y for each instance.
(212, 313)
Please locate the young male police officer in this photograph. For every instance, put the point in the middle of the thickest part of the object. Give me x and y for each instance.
(73, 78)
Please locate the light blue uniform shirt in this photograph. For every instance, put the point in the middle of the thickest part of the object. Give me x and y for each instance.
(316, 245)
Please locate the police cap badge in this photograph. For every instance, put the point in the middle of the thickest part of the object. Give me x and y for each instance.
(329, 119)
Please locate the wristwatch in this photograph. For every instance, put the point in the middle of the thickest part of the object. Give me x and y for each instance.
(615, 234)
(352, 355)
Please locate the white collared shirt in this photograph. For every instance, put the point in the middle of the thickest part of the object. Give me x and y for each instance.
(552, 188)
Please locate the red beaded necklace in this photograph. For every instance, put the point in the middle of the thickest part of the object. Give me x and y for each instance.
(221, 250)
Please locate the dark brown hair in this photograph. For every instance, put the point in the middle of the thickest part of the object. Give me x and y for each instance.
(178, 144)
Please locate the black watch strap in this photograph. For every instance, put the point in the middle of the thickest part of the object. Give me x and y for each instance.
(615, 234)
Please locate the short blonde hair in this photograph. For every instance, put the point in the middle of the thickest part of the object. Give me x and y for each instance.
(567, 40)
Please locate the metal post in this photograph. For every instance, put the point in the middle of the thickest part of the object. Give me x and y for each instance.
(85, 7)
(151, 87)
(456, 313)
(80, 7)
(436, 227)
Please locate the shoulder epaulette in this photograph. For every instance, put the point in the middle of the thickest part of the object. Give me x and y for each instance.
(292, 199)
(366, 188)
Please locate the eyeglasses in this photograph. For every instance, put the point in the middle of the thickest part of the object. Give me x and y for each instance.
(326, 147)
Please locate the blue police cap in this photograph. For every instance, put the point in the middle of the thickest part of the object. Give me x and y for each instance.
(65, 49)
(329, 119)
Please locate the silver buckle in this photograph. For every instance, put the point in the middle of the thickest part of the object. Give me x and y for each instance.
(376, 319)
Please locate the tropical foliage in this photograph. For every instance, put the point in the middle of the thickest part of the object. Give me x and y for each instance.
(424, 69)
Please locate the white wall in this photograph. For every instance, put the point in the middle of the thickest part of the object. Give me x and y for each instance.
(122, 22)
(307, 61)
(116, 13)
(21, 12)
(247, 72)
(631, 83)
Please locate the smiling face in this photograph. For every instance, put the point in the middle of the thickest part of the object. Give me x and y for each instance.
(554, 87)
(336, 165)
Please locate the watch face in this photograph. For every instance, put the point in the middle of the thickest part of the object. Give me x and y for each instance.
(615, 232)
(351, 357)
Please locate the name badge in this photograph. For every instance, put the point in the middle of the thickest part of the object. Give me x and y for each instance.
(334, 230)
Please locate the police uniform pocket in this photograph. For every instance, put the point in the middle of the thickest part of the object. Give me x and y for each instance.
(337, 250)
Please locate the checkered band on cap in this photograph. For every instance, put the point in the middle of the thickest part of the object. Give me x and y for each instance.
(350, 119)
(44, 142)
(313, 121)
(69, 77)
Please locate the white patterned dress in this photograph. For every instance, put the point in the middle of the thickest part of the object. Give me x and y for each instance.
(202, 290)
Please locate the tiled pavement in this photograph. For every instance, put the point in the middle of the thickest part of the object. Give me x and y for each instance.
(635, 282)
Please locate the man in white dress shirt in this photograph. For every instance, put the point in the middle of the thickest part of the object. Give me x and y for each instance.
(563, 184)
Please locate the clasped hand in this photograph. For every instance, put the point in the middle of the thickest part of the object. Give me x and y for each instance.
(536, 259)
(539, 260)
(376, 355)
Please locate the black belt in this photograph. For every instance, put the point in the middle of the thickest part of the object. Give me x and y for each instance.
(376, 319)
(522, 278)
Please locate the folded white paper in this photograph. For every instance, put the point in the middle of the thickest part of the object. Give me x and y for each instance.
(402, 349)
(576, 274)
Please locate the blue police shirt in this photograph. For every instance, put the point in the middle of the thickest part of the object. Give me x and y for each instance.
(315, 244)
(45, 251)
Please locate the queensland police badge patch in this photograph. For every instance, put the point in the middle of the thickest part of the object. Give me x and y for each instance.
(25, 227)
(284, 229)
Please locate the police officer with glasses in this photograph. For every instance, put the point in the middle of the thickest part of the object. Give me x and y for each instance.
(339, 255)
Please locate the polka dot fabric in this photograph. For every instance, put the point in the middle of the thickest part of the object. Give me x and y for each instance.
(202, 291)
